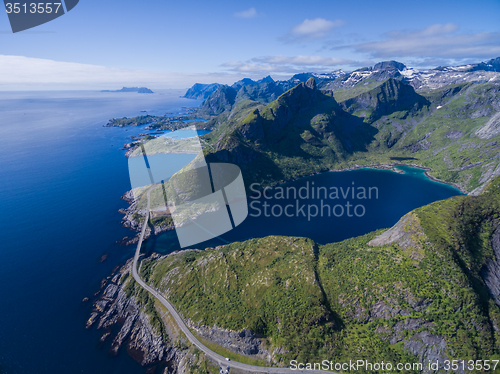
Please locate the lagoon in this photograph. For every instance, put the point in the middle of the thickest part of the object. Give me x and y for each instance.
(392, 196)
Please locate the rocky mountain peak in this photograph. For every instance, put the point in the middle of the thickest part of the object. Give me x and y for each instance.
(491, 65)
(242, 83)
(201, 91)
(311, 83)
(266, 79)
(389, 65)
(222, 99)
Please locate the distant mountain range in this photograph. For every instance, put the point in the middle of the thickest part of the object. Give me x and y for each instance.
(131, 89)
(266, 89)
(447, 119)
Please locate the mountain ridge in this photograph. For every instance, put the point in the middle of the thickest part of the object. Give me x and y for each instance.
(340, 80)
(441, 128)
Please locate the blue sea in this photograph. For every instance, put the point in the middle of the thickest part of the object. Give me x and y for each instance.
(62, 174)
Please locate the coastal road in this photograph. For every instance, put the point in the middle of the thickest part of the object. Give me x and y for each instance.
(178, 319)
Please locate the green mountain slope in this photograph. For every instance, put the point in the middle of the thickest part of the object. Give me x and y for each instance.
(453, 130)
(222, 99)
(446, 136)
(302, 132)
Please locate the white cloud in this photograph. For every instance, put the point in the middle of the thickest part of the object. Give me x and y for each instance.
(311, 29)
(25, 73)
(284, 65)
(302, 60)
(435, 41)
(249, 67)
(249, 13)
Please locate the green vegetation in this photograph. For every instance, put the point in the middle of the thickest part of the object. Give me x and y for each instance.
(155, 318)
(134, 121)
(351, 300)
(162, 221)
(306, 131)
(298, 134)
(421, 296)
(435, 289)
(245, 285)
(145, 300)
(201, 365)
(360, 88)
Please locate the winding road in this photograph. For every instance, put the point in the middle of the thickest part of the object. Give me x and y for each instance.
(178, 319)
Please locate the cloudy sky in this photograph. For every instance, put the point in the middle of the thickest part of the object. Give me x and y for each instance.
(167, 44)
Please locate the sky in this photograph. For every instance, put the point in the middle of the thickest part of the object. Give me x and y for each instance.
(164, 44)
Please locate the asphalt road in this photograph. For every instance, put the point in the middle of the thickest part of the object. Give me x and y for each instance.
(218, 358)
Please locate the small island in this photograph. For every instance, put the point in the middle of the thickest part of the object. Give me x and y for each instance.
(131, 89)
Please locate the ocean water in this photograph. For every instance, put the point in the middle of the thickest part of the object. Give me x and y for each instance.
(62, 175)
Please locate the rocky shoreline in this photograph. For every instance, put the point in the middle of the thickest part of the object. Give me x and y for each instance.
(392, 167)
(130, 221)
(127, 325)
(131, 321)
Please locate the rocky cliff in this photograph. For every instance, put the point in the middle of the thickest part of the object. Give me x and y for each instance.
(491, 272)
(221, 100)
(133, 322)
(201, 91)
(389, 97)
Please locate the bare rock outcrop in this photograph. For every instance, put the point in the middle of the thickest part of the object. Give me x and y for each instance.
(491, 272)
(429, 348)
(243, 342)
(136, 333)
(407, 233)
